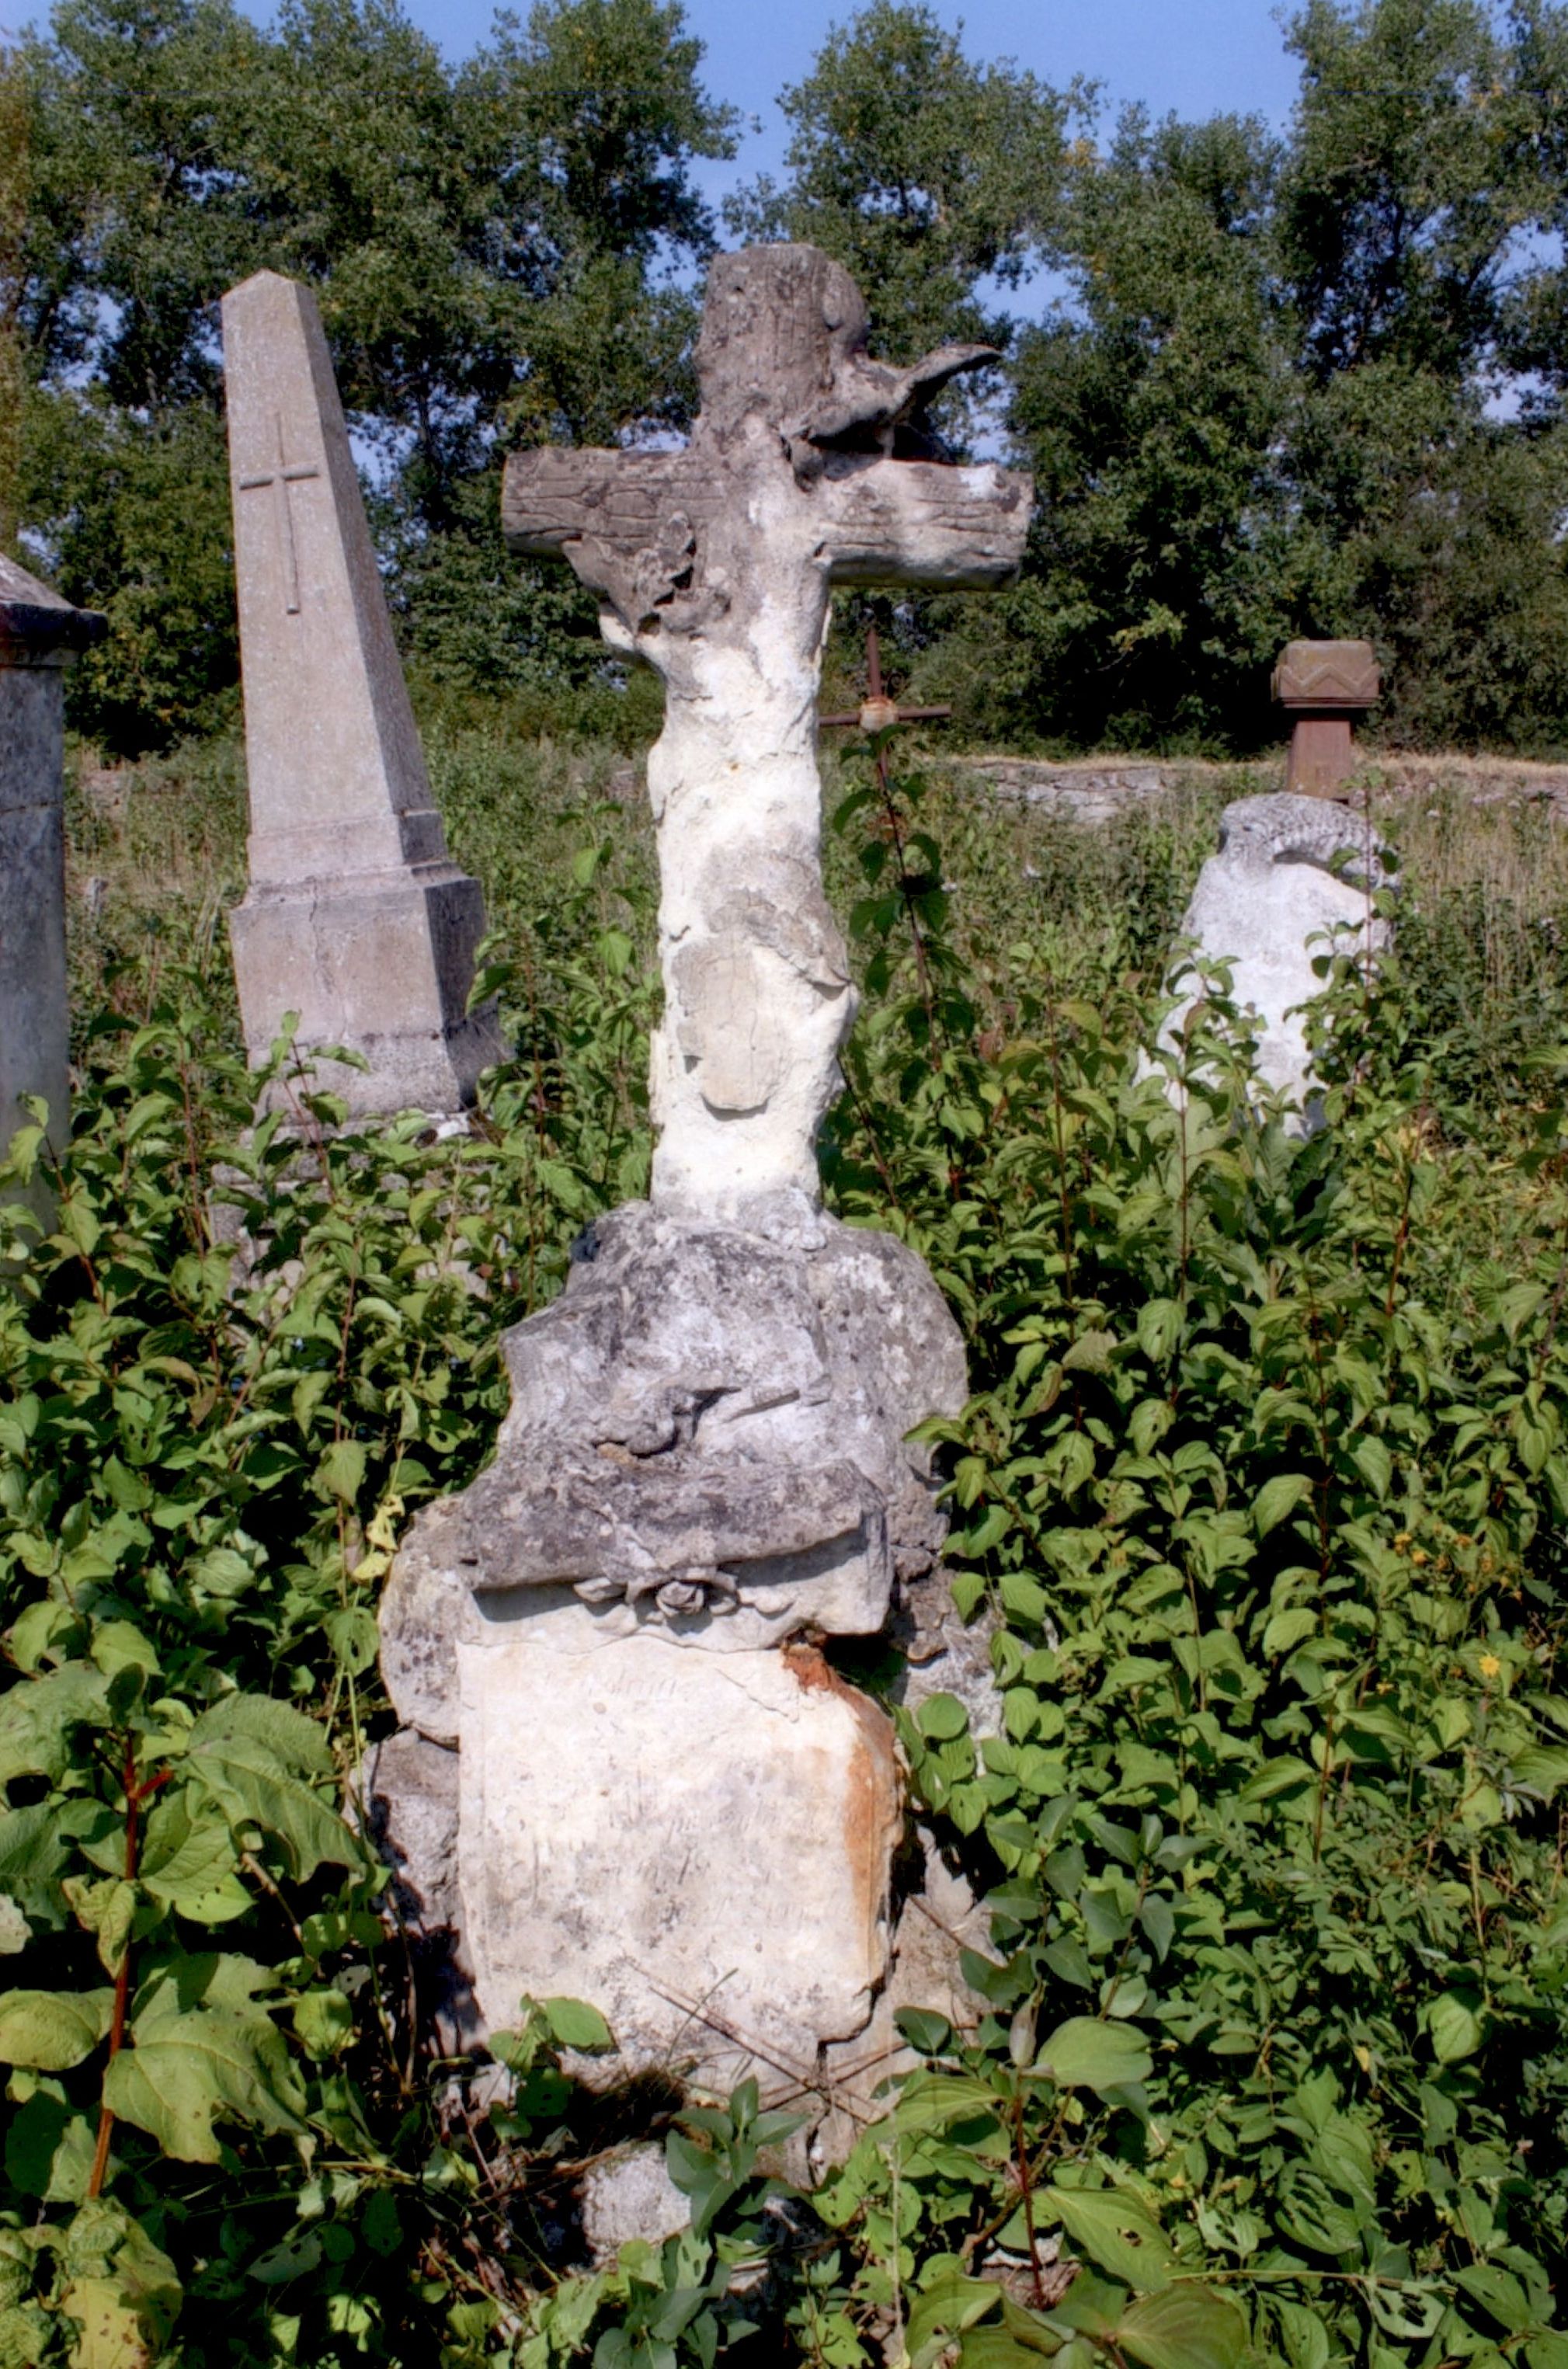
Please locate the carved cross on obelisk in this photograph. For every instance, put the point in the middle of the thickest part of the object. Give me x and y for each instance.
(282, 477)
(716, 564)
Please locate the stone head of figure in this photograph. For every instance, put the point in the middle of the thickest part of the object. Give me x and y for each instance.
(784, 342)
(780, 326)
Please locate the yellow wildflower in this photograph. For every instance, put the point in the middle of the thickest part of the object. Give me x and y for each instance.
(1491, 1667)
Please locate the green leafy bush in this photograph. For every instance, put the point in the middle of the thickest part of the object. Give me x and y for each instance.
(1265, 1476)
(1263, 1485)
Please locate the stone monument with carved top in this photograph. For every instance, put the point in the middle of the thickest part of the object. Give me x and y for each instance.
(1325, 686)
(629, 1767)
(355, 917)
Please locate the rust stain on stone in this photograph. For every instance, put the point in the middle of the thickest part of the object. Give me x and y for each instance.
(873, 1804)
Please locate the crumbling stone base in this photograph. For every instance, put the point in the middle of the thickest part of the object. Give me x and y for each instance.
(668, 1801)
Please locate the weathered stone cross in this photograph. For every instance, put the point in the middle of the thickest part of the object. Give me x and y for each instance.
(283, 477)
(715, 564)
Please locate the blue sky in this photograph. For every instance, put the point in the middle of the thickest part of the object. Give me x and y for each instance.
(1189, 57)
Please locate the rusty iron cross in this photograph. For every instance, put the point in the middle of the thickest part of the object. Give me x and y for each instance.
(284, 476)
(878, 713)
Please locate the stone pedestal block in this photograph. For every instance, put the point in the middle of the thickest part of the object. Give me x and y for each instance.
(670, 1801)
(700, 1843)
(39, 634)
(329, 953)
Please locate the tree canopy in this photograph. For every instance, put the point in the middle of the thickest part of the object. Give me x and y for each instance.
(1287, 395)
(1304, 382)
(495, 248)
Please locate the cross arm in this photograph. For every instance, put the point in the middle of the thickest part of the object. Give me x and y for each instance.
(924, 523)
(627, 524)
(552, 497)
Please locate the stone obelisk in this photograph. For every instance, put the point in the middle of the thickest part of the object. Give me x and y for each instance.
(355, 917)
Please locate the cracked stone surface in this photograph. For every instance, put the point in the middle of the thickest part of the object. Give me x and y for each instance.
(1265, 901)
(355, 917)
(39, 633)
(669, 1803)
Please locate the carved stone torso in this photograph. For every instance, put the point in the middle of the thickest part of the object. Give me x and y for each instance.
(716, 564)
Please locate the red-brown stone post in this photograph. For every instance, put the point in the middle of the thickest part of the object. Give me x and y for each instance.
(1325, 685)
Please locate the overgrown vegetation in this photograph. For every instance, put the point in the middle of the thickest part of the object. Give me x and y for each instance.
(1265, 1479)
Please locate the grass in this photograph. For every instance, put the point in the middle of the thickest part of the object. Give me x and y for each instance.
(157, 848)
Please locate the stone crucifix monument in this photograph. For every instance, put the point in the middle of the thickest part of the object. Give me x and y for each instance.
(628, 1769)
(355, 917)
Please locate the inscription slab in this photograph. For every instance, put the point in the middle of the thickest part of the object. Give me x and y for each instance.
(39, 633)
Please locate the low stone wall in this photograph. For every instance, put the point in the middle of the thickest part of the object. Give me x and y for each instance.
(1096, 789)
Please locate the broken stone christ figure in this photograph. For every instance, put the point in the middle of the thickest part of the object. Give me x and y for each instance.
(626, 1770)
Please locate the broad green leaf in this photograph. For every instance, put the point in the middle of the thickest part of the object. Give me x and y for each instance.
(341, 1471)
(1084, 2054)
(52, 2030)
(1540, 1768)
(1115, 2231)
(190, 1863)
(118, 1645)
(259, 1758)
(1454, 2021)
(125, 2314)
(105, 1907)
(188, 2068)
(1089, 1353)
(34, 1853)
(940, 2101)
(50, 2147)
(1184, 2327)
(944, 2310)
(1375, 1465)
(221, 1573)
(942, 1717)
(1314, 2216)
(1305, 2337)
(1277, 1499)
(111, 2333)
(323, 2020)
(1500, 2294)
(1159, 1328)
(1158, 1920)
(39, 1718)
(925, 2031)
(1287, 1628)
(577, 2025)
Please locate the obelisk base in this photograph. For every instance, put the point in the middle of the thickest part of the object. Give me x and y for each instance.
(346, 953)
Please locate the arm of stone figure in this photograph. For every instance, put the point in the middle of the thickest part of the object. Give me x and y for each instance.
(924, 523)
